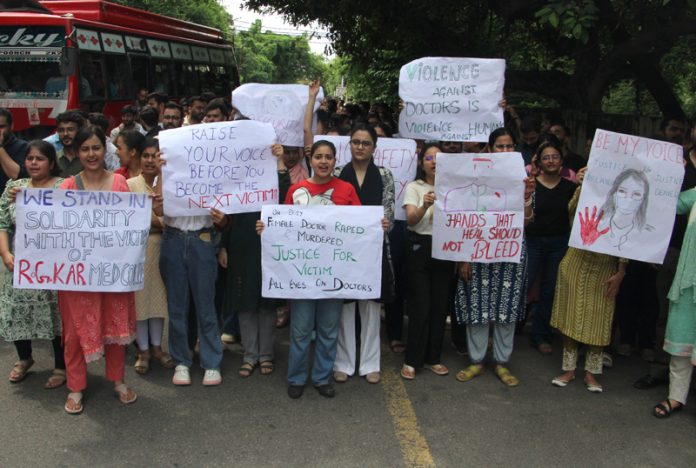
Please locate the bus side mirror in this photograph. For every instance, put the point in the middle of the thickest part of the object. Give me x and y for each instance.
(68, 61)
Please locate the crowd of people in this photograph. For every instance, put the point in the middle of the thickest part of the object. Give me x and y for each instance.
(203, 273)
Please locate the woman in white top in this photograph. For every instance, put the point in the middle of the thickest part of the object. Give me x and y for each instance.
(429, 279)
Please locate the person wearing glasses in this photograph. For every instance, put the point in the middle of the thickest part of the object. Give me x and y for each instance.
(374, 186)
(492, 295)
(547, 235)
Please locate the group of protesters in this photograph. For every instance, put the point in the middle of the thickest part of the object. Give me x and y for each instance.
(203, 273)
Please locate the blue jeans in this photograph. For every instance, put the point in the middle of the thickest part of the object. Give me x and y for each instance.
(544, 254)
(306, 315)
(188, 265)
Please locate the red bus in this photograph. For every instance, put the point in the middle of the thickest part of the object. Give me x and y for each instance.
(95, 56)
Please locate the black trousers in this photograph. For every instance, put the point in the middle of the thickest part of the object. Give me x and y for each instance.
(24, 351)
(637, 306)
(429, 298)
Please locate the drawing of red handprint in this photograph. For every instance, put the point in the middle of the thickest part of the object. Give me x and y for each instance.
(588, 226)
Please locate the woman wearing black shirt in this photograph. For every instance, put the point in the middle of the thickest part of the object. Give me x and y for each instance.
(547, 235)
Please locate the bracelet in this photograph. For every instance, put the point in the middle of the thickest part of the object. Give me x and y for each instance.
(529, 217)
(528, 202)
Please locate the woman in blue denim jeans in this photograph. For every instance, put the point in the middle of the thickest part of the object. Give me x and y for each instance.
(547, 235)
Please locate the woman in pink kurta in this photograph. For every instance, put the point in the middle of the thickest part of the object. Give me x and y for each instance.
(95, 324)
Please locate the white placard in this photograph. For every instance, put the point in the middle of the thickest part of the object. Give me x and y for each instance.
(396, 154)
(281, 105)
(629, 197)
(73, 240)
(451, 98)
(222, 165)
(322, 252)
(479, 207)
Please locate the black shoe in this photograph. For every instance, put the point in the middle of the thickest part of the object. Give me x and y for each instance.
(295, 391)
(326, 390)
(648, 381)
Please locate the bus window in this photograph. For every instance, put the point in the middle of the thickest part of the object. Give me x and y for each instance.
(27, 77)
(91, 76)
(161, 78)
(118, 84)
(140, 72)
(187, 79)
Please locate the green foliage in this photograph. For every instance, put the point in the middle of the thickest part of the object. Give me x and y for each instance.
(206, 12)
(571, 19)
(267, 57)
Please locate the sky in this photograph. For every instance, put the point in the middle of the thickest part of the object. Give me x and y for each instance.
(243, 19)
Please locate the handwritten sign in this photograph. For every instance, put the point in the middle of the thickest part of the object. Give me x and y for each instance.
(451, 99)
(629, 197)
(396, 154)
(283, 106)
(223, 165)
(315, 252)
(479, 207)
(81, 241)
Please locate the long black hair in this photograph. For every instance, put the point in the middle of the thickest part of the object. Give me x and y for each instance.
(420, 172)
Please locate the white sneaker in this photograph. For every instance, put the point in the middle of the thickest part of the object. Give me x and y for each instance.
(181, 375)
(212, 377)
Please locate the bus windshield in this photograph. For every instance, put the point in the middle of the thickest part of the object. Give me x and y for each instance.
(30, 62)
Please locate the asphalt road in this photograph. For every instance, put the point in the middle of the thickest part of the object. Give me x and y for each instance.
(431, 421)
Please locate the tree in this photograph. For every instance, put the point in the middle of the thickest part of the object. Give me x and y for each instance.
(567, 52)
(206, 12)
(267, 57)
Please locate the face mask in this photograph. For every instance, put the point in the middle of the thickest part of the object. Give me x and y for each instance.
(626, 205)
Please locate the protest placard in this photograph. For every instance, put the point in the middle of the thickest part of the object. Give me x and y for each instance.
(451, 98)
(479, 207)
(81, 241)
(319, 252)
(396, 154)
(281, 105)
(629, 197)
(224, 165)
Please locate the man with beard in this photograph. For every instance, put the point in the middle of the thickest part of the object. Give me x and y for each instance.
(128, 115)
(69, 123)
(530, 130)
(12, 151)
(172, 116)
(673, 130)
(217, 110)
(157, 101)
(196, 110)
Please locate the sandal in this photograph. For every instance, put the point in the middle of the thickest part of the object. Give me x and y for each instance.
(439, 369)
(165, 359)
(408, 372)
(662, 411)
(73, 404)
(246, 369)
(142, 363)
(125, 394)
(474, 370)
(506, 377)
(19, 371)
(397, 347)
(56, 379)
(266, 367)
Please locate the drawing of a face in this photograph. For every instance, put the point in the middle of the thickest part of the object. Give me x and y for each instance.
(629, 196)
(280, 104)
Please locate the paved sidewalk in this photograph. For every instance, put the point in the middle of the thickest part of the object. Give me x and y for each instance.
(430, 421)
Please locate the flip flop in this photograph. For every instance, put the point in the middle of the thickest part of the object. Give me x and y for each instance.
(246, 369)
(266, 367)
(142, 363)
(125, 394)
(666, 410)
(57, 379)
(19, 371)
(506, 377)
(439, 369)
(469, 373)
(73, 404)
